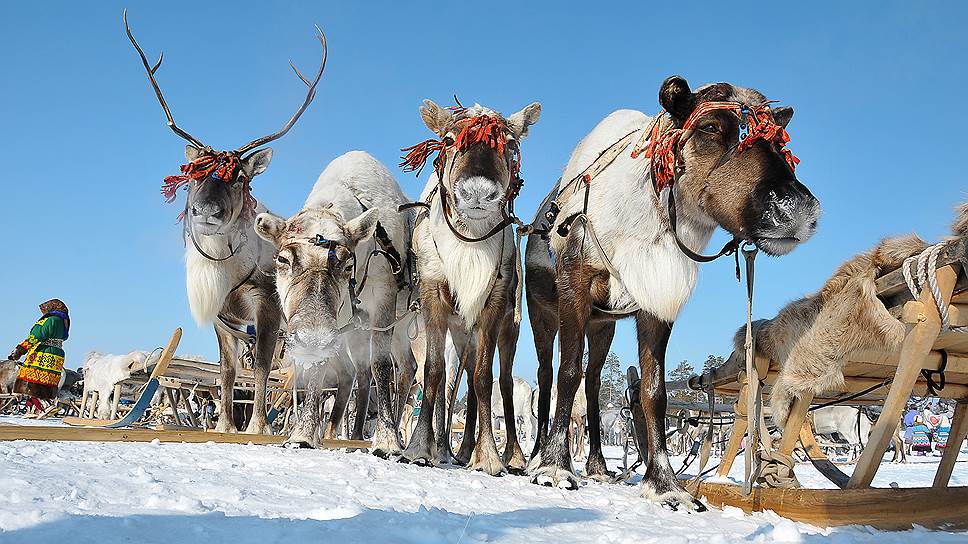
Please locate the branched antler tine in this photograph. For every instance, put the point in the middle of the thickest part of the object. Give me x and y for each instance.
(154, 84)
(299, 74)
(310, 95)
(157, 65)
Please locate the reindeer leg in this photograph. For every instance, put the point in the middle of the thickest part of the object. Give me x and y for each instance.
(599, 340)
(468, 356)
(485, 457)
(308, 426)
(508, 339)
(553, 467)
(386, 439)
(358, 343)
(406, 368)
(228, 358)
(544, 326)
(267, 328)
(422, 448)
(444, 417)
(345, 376)
(660, 484)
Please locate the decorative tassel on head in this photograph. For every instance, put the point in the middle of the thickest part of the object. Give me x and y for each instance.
(222, 166)
(485, 129)
(665, 144)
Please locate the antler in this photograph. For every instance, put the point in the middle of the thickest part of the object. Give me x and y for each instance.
(151, 76)
(309, 98)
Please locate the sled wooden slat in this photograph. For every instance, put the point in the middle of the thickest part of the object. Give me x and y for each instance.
(882, 508)
(83, 434)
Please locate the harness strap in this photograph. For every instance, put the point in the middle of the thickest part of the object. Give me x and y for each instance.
(753, 399)
(934, 387)
(728, 249)
(445, 206)
(604, 159)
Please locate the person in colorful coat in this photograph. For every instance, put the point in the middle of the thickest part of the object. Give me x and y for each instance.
(40, 373)
(920, 437)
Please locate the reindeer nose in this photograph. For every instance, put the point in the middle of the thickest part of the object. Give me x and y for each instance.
(478, 192)
(213, 211)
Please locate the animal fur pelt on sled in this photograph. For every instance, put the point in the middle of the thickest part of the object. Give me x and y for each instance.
(811, 337)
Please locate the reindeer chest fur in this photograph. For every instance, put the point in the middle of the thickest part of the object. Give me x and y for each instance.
(209, 283)
(471, 271)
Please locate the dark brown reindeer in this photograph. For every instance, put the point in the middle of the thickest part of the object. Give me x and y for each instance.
(464, 243)
(617, 248)
(225, 259)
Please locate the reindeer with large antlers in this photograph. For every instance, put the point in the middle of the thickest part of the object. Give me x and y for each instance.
(225, 259)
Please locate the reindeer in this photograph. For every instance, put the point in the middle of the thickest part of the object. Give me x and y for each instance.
(465, 249)
(224, 258)
(619, 253)
(340, 277)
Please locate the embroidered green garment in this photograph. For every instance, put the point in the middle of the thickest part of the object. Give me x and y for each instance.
(45, 352)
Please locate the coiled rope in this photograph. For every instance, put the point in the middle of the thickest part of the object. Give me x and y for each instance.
(920, 271)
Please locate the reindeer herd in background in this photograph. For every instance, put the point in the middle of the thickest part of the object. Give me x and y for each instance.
(359, 268)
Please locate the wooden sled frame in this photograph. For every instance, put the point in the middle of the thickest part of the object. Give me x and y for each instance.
(856, 502)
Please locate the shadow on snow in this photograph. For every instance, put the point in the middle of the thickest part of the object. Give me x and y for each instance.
(423, 527)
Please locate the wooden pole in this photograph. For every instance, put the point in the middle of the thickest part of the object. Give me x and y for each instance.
(116, 400)
(794, 423)
(923, 326)
(740, 424)
(959, 429)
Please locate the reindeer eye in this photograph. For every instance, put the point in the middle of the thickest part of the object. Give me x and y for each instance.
(282, 260)
(448, 141)
(348, 269)
(709, 128)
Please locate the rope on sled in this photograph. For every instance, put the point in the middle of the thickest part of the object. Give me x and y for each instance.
(776, 471)
(920, 271)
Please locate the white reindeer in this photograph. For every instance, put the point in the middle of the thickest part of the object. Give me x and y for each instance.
(340, 277)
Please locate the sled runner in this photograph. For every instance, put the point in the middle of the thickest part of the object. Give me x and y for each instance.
(144, 401)
(931, 359)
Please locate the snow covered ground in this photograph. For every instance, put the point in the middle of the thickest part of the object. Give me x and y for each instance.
(76, 492)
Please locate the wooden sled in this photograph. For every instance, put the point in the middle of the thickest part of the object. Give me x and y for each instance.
(871, 377)
(144, 401)
(184, 379)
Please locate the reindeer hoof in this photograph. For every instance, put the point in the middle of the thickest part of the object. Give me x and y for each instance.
(562, 479)
(382, 453)
(673, 499)
(517, 471)
(299, 445)
(605, 477)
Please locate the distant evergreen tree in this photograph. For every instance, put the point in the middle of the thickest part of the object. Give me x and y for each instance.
(682, 372)
(613, 382)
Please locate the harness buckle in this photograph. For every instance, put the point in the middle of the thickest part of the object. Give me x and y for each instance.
(744, 125)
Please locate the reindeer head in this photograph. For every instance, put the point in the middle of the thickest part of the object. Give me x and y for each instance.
(315, 271)
(747, 187)
(218, 182)
(479, 156)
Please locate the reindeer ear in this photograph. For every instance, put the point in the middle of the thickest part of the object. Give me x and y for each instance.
(520, 121)
(676, 97)
(192, 152)
(361, 227)
(257, 162)
(269, 227)
(782, 115)
(436, 118)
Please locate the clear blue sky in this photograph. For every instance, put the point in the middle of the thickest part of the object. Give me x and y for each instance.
(879, 127)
